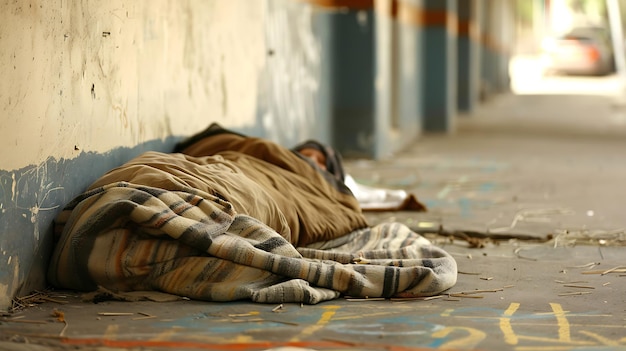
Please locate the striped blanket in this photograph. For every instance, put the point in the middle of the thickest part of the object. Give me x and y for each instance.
(252, 221)
(135, 238)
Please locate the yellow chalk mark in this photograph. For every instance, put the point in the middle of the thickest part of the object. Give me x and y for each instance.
(601, 339)
(324, 319)
(111, 332)
(242, 339)
(554, 341)
(447, 312)
(237, 339)
(167, 334)
(473, 338)
(563, 329)
(562, 322)
(505, 324)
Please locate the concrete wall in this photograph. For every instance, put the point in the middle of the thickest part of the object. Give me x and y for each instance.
(87, 85)
(102, 74)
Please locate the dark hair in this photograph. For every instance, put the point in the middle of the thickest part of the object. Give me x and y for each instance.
(334, 163)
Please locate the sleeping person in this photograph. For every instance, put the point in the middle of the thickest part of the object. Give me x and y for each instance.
(228, 217)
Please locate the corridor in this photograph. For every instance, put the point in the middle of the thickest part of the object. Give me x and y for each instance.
(527, 195)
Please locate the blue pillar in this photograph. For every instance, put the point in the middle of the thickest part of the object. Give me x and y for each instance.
(468, 62)
(350, 55)
(439, 67)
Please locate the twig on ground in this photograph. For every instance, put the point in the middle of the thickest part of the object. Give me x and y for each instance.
(115, 314)
(579, 286)
(612, 270)
(575, 293)
(145, 316)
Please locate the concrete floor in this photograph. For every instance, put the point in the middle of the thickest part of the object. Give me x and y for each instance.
(528, 197)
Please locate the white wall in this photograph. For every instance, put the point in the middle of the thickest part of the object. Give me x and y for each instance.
(93, 75)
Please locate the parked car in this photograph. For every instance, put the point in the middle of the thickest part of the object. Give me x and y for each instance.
(581, 51)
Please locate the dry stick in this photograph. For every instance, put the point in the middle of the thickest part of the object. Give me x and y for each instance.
(516, 252)
(611, 270)
(366, 299)
(467, 296)
(433, 297)
(459, 294)
(406, 299)
(572, 282)
(479, 291)
(575, 293)
(579, 286)
(588, 265)
(145, 316)
(23, 321)
(46, 298)
(113, 314)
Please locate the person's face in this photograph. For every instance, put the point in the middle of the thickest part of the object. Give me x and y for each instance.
(315, 155)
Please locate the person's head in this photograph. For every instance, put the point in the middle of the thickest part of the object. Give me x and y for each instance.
(324, 156)
(315, 155)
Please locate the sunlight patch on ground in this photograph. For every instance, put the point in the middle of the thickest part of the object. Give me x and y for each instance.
(527, 77)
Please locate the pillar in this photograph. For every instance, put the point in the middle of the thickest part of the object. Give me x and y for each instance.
(439, 67)
(398, 75)
(468, 62)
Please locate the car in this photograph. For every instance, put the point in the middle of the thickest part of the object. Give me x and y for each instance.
(580, 51)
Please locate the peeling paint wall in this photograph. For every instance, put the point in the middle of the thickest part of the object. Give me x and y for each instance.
(88, 84)
(89, 75)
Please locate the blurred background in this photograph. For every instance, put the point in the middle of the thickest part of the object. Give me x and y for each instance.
(88, 85)
(568, 39)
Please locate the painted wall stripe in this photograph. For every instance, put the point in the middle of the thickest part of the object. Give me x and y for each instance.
(410, 14)
(468, 28)
(343, 4)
